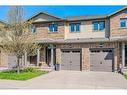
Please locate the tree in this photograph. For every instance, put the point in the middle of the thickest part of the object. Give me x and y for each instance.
(17, 37)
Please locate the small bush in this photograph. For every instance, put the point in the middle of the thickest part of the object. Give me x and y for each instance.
(30, 69)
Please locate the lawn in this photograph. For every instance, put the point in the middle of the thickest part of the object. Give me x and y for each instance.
(125, 75)
(24, 74)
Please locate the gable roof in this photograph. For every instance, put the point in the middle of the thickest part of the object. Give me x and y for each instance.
(35, 15)
(75, 18)
(117, 11)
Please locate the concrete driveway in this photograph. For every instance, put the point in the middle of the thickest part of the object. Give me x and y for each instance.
(70, 80)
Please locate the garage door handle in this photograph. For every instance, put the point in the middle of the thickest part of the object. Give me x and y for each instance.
(70, 61)
(101, 62)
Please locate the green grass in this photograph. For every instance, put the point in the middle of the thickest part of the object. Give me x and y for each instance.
(125, 75)
(12, 75)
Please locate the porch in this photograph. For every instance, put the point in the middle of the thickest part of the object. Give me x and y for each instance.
(45, 58)
(124, 56)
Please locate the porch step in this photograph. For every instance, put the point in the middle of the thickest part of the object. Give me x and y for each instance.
(124, 70)
(47, 68)
(43, 64)
(3, 68)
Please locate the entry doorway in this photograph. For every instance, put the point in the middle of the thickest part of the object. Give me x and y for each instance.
(48, 56)
(125, 55)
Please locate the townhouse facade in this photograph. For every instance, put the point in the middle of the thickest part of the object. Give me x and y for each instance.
(81, 43)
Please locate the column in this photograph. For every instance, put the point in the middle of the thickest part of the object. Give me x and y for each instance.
(123, 54)
(38, 56)
(25, 59)
(52, 58)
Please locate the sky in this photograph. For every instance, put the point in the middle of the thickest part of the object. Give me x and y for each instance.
(62, 11)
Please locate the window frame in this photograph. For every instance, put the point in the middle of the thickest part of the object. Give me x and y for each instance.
(93, 23)
(50, 27)
(72, 27)
(103, 25)
(54, 26)
(98, 26)
(75, 27)
(78, 27)
(121, 20)
(32, 28)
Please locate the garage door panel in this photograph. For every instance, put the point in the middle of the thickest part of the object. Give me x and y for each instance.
(70, 60)
(75, 67)
(65, 60)
(64, 67)
(102, 60)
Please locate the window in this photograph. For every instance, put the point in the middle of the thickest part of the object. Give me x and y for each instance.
(53, 27)
(95, 26)
(78, 27)
(123, 23)
(32, 28)
(102, 25)
(72, 27)
(75, 27)
(98, 25)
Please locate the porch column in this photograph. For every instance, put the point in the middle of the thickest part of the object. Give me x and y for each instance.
(38, 56)
(123, 54)
(52, 57)
(25, 59)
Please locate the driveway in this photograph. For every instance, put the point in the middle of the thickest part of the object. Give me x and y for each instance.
(68, 80)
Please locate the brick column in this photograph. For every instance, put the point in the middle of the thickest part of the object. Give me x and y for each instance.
(85, 59)
(58, 56)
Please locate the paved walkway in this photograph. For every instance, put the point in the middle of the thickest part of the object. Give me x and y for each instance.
(68, 80)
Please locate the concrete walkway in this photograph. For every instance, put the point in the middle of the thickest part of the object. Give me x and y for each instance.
(69, 80)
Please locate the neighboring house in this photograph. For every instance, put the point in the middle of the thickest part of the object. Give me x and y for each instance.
(81, 43)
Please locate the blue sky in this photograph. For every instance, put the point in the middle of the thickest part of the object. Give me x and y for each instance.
(63, 11)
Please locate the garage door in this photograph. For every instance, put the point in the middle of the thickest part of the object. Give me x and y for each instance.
(101, 60)
(70, 60)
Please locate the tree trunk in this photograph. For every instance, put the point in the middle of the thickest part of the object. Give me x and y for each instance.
(18, 66)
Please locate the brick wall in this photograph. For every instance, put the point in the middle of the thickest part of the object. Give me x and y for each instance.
(58, 55)
(42, 30)
(115, 29)
(86, 53)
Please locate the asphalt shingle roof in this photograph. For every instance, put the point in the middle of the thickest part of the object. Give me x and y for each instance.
(74, 18)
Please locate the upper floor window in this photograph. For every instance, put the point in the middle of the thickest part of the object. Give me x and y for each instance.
(32, 28)
(123, 23)
(75, 27)
(53, 27)
(98, 25)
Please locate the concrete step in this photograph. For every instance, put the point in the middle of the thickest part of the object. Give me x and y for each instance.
(3, 68)
(124, 70)
(45, 68)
